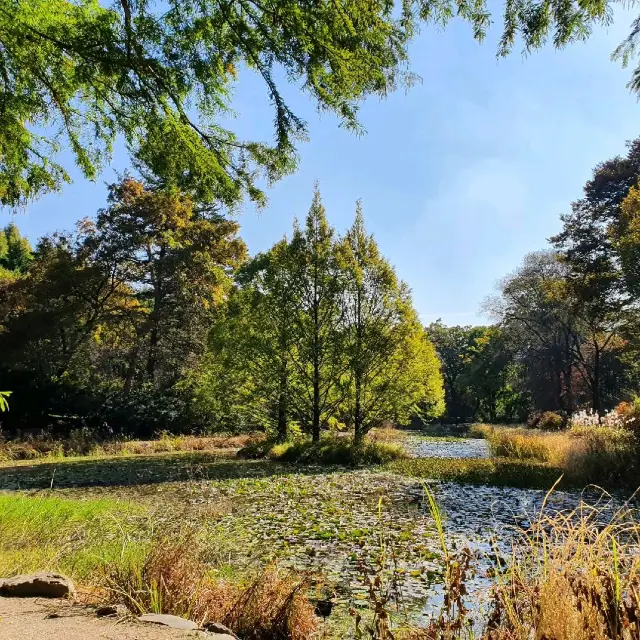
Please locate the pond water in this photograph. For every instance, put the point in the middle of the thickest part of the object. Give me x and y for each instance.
(420, 446)
(484, 519)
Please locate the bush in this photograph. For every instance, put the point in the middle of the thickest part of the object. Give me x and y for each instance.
(330, 450)
(547, 421)
(174, 578)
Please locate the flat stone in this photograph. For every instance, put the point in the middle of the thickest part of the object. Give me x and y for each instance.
(37, 585)
(218, 629)
(173, 622)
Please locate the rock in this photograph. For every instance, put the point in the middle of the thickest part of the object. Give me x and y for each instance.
(220, 629)
(37, 585)
(220, 636)
(174, 622)
(112, 610)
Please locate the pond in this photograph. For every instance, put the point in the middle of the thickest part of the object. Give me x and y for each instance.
(320, 520)
(420, 446)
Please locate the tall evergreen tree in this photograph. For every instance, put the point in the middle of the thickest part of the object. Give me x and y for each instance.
(392, 367)
(15, 250)
(318, 315)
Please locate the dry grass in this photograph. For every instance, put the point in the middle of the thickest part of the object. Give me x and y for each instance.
(81, 445)
(175, 578)
(603, 455)
(386, 434)
(572, 575)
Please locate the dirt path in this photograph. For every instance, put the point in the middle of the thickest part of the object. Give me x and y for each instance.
(38, 619)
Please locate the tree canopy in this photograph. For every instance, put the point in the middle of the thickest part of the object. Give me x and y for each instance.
(160, 76)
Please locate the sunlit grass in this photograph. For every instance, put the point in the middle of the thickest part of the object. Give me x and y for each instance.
(75, 537)
(606, 456)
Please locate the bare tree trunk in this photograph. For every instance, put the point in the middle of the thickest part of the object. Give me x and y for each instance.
(358, 433)
(131, 370)
(282, 406)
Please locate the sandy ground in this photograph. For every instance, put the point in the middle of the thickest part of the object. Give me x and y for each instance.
(30, 619)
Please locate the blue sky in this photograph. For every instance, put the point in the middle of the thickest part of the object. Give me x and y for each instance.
(459, 177)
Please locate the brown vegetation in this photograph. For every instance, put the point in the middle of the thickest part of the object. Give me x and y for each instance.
(174, 577)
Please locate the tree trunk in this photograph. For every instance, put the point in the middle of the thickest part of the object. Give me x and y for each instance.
(358, 433)
(131, 370)
(315, 430)
(151, 358)
(282, 406)
(595, 384)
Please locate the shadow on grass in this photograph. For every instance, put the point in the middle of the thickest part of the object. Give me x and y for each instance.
(138, 470)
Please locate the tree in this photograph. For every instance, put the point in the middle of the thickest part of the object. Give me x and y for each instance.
(49, 314)
(250, 368)
(589, 245)
(626, 241)
(15, 250)
(392, 367)
(453, 346)
(317, 284)
(161, 75)
(179, 266)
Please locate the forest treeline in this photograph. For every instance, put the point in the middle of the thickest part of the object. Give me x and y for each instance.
(566, 332)
(152, 317)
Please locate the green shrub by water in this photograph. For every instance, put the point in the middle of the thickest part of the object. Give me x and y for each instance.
(329, 451)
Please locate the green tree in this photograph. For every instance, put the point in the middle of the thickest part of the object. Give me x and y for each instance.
(48, 315)
(250, 370)
(491, 378)
(453, 345)
(393, 370)
(161, 76)
(317, 285)
(15, 250)
(179, 266)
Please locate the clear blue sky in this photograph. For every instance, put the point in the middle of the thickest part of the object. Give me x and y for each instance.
(459, 177)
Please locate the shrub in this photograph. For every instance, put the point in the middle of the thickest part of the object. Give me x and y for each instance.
(174, 577)
(339, 451)
(547, 421)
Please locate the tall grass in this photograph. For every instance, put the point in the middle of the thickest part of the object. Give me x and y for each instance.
(607, 456)
(75, 537)
(117, 553)
(572, 575)
(174, 577)
(80, 443)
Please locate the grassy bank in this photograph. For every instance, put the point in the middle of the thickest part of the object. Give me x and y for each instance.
(75, 537)
(606, 456)
(118, 553)
(80, 444)
(526, 474)
(336, 450)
